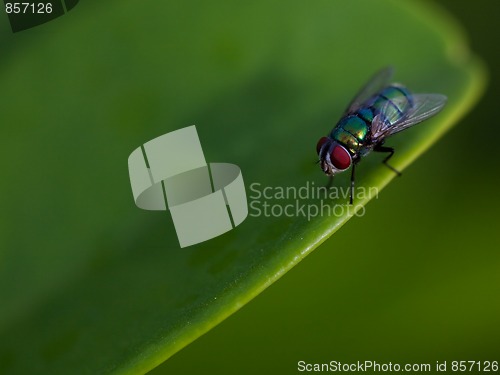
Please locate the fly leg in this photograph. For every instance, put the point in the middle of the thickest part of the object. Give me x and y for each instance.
(390, 150)
(352, 183)
(329, 183)
(330, 180)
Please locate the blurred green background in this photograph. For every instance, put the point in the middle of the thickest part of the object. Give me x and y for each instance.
(424, 287)
(420, 284)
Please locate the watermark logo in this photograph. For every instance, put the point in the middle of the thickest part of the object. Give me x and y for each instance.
(27, 14)
(205, 200)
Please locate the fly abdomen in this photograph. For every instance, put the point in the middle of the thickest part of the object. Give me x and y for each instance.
(393, 103)
(366, 114)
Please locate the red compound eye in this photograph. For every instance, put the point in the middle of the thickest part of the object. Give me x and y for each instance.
(320, 144)
(340, 158)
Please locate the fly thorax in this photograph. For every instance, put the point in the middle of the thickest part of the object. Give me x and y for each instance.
(351, 131)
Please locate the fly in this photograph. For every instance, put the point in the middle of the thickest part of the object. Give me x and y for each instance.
(380, 110)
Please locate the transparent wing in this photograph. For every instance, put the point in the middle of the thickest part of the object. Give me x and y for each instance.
(424, 106)
(380, 80)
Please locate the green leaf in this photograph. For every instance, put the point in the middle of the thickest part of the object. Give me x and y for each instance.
(91, 284)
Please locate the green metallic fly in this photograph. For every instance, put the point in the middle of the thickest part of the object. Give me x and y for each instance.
(380, 110)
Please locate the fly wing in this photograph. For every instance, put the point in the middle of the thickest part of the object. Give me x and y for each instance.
(424, 106)
(380, 80)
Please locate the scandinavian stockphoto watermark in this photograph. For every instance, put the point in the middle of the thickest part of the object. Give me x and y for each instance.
(206, 200)
(309, 200)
